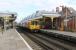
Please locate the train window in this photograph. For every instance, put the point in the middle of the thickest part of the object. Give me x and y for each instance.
(34, 23)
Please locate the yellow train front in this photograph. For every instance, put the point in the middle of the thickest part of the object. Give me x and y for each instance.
(33, 25)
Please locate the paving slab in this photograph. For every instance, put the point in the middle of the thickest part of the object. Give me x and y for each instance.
(10, 40)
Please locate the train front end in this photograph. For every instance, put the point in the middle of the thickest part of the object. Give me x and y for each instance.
(34, 26)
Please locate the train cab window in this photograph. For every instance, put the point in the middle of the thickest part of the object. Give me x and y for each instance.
(34, 22)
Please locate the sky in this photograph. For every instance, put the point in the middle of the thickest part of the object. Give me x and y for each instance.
(23, 8)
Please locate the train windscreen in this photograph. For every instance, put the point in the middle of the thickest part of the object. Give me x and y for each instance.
(35, 23)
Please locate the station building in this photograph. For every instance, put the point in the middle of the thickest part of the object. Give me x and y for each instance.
(69, 18)
(7, 20)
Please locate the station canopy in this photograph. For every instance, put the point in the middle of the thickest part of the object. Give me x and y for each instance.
(40, 14)
(4, 14)
(52, 15)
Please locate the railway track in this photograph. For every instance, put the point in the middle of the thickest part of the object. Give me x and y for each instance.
(58, 42)
(49, 43)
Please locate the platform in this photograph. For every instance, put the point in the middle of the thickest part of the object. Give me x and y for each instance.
(70, 36)
(61, 32)
(11, 40)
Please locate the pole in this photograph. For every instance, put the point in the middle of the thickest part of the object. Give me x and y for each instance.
(52, 22)
(4, 25)
(66, 16)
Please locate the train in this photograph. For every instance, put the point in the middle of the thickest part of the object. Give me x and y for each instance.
(31, 25)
